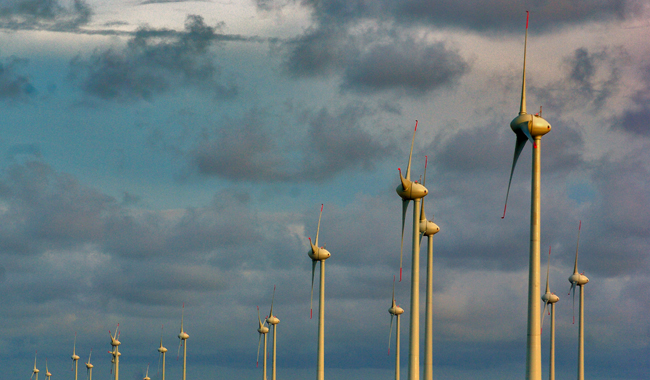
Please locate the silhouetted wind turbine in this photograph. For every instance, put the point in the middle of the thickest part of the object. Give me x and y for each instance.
(162, 350)
(89, 373)
(319, 254)
(531, 127)
(395, 311)
(273, 321)
(183, 336)
(412, 191)
(550, 299)
(116, 353)
(262, 330)
(35, 371)
(75, 357)
(578, 279)
(428, 228)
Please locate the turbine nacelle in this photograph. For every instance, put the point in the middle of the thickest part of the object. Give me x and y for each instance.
(318, 253)
(263, 330)
(183, 335)
(162, 349)
(272, 320)
(549, 297)
(408, 190)
(75, 357)
(578, 279)
(428, 228)
(89, 366)
(395, 310)
(530, 125)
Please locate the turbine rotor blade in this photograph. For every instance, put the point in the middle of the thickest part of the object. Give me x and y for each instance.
(543, 315)
(318, 228)
(258, 351)
(548, 267)
(272, 300)
(311, 300)
(408, 168)
(575, 265)
(405, 205)
(519, 146)
(390, 332)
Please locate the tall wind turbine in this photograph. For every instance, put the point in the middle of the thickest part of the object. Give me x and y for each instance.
(531, 127)
(550, 299)
(75, 357)
(89, 367)
(412, 191)
(48, 375)
(579, 279)
(428, 228)
(146, 377)
(262, 330)
(395, 311)
(273, 321)
(319, 254)
(183, 336)
(162, 351)
(35, 371)
(116, 353)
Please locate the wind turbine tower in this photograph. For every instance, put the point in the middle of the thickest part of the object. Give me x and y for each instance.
(550, 299)
(183, 336)
(162, 350)
(35, 371)
(579, 279)
(273, 321)
(75, 357)
(531, 127)
(428, 228)
(89, 367)
(395, 311)
(319, 254)
(412, 191)
(262, 330)
(116, 353)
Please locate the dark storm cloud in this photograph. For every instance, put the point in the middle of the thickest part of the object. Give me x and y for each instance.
(154, 62)
(635, 119)
(415, 67)
(318, 52)
(13, 84)
(44, 14)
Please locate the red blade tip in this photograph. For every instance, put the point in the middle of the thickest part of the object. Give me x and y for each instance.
(400, 274)
(311, 313)
(526, 19)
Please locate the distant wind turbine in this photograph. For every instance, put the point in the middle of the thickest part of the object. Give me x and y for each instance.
(183, 336)
(428, 228)
(528, 127)
(319, 254)
(273, 321)
(146, 376)
(579, 279)
(116, 352)
(35, 371)
(550, 299)
(75, 357)
(262, 330)
(48, 375)
(162, 350)
(395, 311)
(412, 191)
(89, 367)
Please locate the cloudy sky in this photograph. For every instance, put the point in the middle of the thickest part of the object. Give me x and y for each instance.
(155, 152)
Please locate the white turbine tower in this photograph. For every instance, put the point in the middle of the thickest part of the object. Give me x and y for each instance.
(412, 191)
(116, 353)
(89, 367)
(550, 299)
(75, 357)
(428, 228)
(319, 254)
(162, 350)
(395, 311)
(273, 321)
(183, 336)
(579, 279)
(531, 127)
(262, 330)
(48, 375)
(35, 371)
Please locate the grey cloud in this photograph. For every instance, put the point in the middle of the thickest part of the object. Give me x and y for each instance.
(154, 62)
(635, 119)
(415, 67)
(44, 14)
(319, 51)
(13, 84)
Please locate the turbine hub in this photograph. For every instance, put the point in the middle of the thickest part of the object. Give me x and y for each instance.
(263, 330)
(429, 228)
(183, 335)
(536, 125)
(272, 320)
(396, 310)
(413, 191)
(550, 297)
(318, 253)
(89, 366)
(162, 349)
(75, 357)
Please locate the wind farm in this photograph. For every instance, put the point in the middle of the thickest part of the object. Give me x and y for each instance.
(158, 154)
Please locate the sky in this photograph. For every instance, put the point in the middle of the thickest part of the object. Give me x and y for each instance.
(161, 152)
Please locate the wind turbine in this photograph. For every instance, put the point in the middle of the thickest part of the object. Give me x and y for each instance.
(579, 279)
(412, 191)
(395, 311)
(273, 321)
(116, 353)
(35, 371)
(262, 330)
(183, 336)
(531, 127)
(75, 357)
(89, 367)
(319, 254)
(146, 377)
(162, 351)
(48, 375)
(428, 228)
(550, 299)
